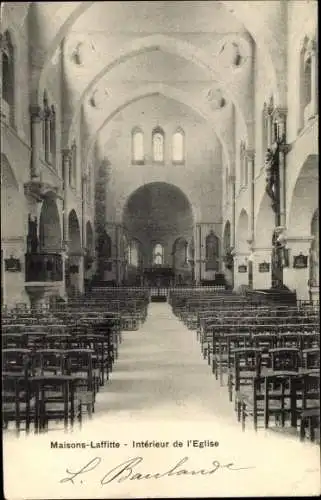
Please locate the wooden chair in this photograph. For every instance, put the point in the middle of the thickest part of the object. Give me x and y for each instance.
(55, 400)
(79, 365)
(18, 403)
(271, 396)
(246, 366)
(310, 408)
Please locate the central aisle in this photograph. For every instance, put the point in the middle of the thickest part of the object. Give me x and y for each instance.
(160, 373)
(161, 393)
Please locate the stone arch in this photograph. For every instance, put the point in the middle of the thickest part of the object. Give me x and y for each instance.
(136, 190)
(49, 227)
(171, 93)
(252, 23)
(172, 46)
(304, 200)
(242, 232)
(157, 213)
(264, 223)
(64, 23)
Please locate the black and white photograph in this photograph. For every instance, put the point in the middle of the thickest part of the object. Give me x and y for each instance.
(160, 249)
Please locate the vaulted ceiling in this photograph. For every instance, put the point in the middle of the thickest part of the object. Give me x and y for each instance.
(199, 53)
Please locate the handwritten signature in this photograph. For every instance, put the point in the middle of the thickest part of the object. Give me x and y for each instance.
(128, 470)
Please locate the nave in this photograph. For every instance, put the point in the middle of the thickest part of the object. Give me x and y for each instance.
(161, 375)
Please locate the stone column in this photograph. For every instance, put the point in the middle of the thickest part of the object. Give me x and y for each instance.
(232, 183)
(36, 117)
(65, 172)
(241, 278)
(198, 256)
(66, 165)
(262, 276)
(293, 277)
(77, 278)
(250, 155)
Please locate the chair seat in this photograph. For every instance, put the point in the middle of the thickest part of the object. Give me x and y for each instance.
(85, 397)
(311, 412)
(10, 407)
(55, 407)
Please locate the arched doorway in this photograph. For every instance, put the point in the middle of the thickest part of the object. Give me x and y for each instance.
(158, 213)
(74, 265)
(302, 228)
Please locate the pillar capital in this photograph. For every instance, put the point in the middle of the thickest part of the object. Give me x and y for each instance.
(250, 153)
(66, 154)
(36, 113)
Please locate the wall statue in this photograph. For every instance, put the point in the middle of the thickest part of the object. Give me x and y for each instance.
(272, 172)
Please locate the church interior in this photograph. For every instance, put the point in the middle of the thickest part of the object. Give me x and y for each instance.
(159, 197)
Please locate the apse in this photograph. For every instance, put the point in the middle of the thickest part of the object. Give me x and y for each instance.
(157, 214)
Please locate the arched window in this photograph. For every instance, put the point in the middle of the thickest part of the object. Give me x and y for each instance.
(8, 97)
(158, 145)
(178, 145)
(158, 254)
(137, 146)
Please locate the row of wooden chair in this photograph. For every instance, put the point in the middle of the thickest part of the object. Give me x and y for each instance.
(54, 362)
(268, 355)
